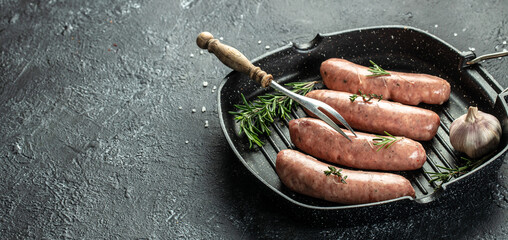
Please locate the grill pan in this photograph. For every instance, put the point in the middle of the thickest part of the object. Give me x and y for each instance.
(397, 48)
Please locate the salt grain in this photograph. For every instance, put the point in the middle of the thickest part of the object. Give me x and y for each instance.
(180, 108)
(201, 52)
(259, 42)
(267, 47)
(193, 110)
(203, 109)
(455, 34)
(186, 142)
(221, 38)
(214, 87)
(191, 55)
(206, 124)
(436, 26)
(471, 49)
(205, 84)
(504, 42)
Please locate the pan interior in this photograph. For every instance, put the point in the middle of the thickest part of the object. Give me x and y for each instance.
(395, 48)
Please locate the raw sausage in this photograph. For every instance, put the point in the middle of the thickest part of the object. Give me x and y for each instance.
(379, 116)
(406, 88)
(315, 137)
(318, 139)
(304, 174)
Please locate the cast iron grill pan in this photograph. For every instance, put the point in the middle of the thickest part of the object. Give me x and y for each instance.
(397, 48)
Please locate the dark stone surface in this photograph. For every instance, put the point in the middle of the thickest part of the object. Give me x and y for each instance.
(93, 143)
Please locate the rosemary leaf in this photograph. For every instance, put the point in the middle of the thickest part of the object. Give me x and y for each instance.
(353, 97)
(376, 70)
(365, 97)
(384, 141)
(337, 172)
(450, 173)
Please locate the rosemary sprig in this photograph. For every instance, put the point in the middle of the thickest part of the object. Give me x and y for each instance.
(450, 173)
(376, 70)
(384, 141)
(255, 117)
(337, 172)
(365, 97)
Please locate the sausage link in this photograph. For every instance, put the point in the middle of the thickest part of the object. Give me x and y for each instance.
(406, 88)
(318, 139)
(379, 116)
(304, 174)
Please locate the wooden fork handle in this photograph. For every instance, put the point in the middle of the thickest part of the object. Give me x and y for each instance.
(233, 58)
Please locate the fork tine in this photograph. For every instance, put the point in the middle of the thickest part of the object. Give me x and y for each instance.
(336, 115)
(314, 106)
(329, 121)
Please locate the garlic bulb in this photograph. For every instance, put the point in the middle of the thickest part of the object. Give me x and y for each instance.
(475, 133)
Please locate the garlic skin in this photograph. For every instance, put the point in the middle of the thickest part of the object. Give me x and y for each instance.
(475, 133)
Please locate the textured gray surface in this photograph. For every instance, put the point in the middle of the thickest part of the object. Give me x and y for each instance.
(93, 140)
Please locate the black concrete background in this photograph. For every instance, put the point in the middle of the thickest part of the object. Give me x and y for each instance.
(94, 145)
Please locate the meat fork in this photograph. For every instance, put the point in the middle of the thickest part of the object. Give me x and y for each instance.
(234, 59)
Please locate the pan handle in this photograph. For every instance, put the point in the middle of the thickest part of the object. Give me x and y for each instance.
(471, 61)
(487, 56)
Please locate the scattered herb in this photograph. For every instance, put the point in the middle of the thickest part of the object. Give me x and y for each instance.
(353, 97)
(336, 172)
(365, 97)
(255, 117)
(376, 70)
(445, 176)
(384, 141)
